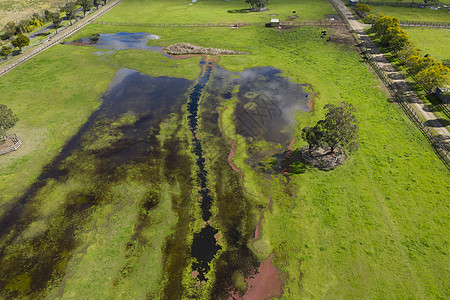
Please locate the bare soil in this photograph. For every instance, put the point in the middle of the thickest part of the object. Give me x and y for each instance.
(321, 158)
(6, 144)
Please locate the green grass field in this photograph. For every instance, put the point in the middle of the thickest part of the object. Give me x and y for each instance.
(412, 13)
(376, 227)
(215, 11)
(432, 41)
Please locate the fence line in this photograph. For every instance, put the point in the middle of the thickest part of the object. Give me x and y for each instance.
(17, 143)
(425, 24)
(317, 23)
(395, 91)
(62, 35)
(403, 4)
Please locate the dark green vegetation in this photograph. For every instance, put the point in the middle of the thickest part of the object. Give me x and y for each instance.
(338, 129)
(7, 120)
(376, 226)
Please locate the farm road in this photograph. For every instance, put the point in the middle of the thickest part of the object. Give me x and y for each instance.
(57, 38)
(431, 121)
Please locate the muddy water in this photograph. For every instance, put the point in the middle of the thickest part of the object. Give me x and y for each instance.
(28, 264)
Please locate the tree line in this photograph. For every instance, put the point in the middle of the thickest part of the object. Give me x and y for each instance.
(19, 29)
(426, 71)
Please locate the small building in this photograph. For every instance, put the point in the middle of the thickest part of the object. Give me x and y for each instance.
(274, 22)
(443, 93)
(353, 2)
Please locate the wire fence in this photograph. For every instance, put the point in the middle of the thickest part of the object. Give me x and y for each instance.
(397, 94)
(293, 24)
(425, 24)
(57, 38)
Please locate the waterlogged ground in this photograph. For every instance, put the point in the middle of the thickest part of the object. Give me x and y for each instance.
(148, 178)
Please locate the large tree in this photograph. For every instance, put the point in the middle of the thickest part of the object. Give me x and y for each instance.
(8, 30)
(7, 120)
(71, 10)
(86, 5)
(257, 4)
(339, 129)
(56, 19)
(20, 42)
(5, 51)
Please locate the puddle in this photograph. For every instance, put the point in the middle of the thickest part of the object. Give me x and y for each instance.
(119, 41)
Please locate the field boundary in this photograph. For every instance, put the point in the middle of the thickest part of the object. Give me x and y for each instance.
(17, 143)
(402, 4)
(316, 23)
(425, 24)
(56, 39)
(396, 92)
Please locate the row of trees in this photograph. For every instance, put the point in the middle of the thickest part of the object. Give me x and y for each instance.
(37, 20)
(427, 71)
(19, 42)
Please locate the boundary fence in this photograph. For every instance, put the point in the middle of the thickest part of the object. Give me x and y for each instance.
(396, 92)
(298, 24)
(425, 24)
(17, 143)
(403, 4)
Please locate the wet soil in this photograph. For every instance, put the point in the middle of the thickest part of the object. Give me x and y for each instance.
(41, 258)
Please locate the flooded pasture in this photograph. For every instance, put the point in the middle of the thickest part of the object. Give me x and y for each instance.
(119, 41)
(123, 140)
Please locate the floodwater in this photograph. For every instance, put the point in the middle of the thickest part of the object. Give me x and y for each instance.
(266, 106)
(120, 41)
(149, 100)
(204, 246)
(268, 103)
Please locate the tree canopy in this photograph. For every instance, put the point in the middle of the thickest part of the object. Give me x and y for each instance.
(7, 120)
(20, 42)
(339, 129)
(257, 4)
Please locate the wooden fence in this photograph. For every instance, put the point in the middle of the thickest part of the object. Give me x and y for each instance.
(293, 24)
(396, 92)
(425, 24)
(17, 143)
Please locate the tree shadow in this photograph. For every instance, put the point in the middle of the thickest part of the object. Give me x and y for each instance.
(239, 11)
(434, 123)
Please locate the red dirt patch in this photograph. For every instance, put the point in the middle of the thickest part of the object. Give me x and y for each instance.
(265, 284)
